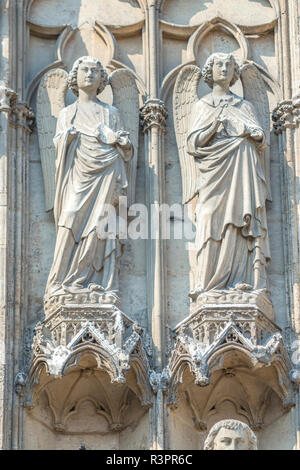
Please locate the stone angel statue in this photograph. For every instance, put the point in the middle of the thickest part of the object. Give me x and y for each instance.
(92, 162)
(225, 161)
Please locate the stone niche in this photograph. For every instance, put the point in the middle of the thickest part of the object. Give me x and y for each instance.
(84, 380)
(229, 357)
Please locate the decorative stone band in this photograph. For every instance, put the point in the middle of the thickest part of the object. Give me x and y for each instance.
(20, 114)
(286, 115)
(154, 114)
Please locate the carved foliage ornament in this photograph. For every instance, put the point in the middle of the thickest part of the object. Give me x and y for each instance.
(154, 114)
(286, 115)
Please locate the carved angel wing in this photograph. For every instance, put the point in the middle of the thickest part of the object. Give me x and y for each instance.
(126, 100)
(255, 92)
(50, 100)
(185, 95)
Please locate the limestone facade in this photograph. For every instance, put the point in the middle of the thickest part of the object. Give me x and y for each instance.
(156, 359)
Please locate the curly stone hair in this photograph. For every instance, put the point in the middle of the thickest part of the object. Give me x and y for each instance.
(72, 77)
(207, 71)
(233, 425)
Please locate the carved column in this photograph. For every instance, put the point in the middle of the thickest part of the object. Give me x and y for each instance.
(154, 115)
(294, 42)
(16, 124)
(286, 117)
(4, 223)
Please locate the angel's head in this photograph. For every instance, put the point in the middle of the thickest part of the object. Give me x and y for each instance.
(87, 73)
(221, 68)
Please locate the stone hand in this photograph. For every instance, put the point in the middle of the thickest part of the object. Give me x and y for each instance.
(122, 138)
(255, 133)
(72, 133)
(106, 135)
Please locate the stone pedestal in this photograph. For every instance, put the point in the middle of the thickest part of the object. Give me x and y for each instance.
(90, 338)
(230, 335)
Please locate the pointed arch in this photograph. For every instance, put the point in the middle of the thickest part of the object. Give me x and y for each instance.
(217, 23)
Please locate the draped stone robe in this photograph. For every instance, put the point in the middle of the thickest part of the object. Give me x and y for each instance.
(89, 174)
(231, 237)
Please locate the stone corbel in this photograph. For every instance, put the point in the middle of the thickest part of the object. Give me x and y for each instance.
(19, 113)
(154, 114)
(113, 342)
(286, 115)
(204, 347)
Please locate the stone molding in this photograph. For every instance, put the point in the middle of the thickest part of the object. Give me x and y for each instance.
(286, 115)
(154, 114)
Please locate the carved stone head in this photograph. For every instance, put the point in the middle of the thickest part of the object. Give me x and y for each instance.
(208, 69)
(72, 78)
(230, 434)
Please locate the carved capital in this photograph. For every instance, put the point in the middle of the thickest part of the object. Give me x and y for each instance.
(160, 380)
(286, 115)
(20, 383)
(20, 114)
(8, 98)
(154, 114)
(153, 3)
